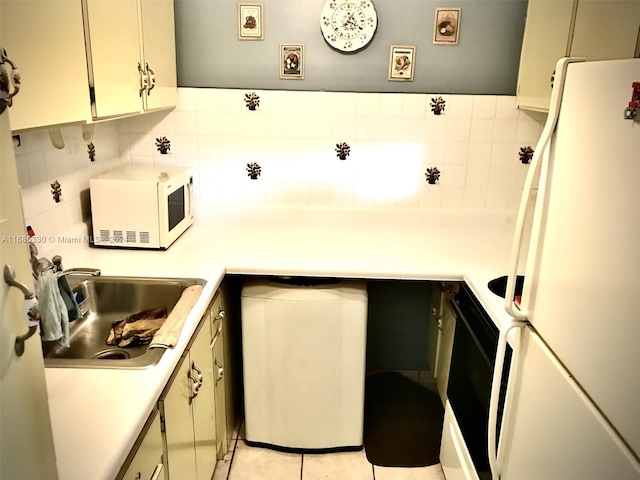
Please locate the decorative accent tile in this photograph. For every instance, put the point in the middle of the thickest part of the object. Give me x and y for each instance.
(91, 150)
(254, 170)
(526, 154)
(56, 191)
(163, 144)
(438, 105)
(433, 175)
(343, 150)
(251, 100)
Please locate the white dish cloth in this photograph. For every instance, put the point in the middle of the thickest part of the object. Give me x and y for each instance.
(54, 318)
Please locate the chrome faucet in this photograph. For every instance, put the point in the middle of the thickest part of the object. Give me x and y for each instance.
(41, 265)
(57, 267)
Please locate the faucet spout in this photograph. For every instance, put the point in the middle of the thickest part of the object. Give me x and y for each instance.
(80, 271)
(57, 264)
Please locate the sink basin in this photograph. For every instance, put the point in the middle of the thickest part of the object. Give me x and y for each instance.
(107, 299)
(499, 286)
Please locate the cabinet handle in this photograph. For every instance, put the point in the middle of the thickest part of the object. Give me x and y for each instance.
(151, 75)
(220, 371)
(195, 386)
(220, 314)
(31, 310)
(198, 372)
(7, 99)
(144, 79)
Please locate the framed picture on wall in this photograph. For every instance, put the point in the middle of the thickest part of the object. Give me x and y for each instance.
(402, 63)
(291, 61)
(250, 21)
(446, 28)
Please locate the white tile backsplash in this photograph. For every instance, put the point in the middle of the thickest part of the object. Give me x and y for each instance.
(292, 135)
(40, 164)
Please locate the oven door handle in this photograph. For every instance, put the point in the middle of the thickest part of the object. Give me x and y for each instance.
(496, 383)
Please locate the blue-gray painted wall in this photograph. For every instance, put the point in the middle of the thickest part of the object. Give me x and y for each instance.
(485, 61)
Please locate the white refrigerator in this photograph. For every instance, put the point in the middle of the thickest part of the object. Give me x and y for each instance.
(572, 410)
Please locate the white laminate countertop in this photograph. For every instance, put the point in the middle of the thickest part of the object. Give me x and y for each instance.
(97, 414)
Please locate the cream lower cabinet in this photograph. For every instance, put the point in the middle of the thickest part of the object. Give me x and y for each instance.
(217, 315)
(446, 329)
(145, 461)
(188, 413)
(593, 29)
(221, 417)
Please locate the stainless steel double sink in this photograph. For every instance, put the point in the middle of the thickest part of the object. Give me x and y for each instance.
(105, 300)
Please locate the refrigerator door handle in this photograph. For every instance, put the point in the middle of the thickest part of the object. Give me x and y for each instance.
(496, 381)
(534, 167)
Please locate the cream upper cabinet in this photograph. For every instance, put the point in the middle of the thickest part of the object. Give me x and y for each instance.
(594, 29)
(606, 30)
(45, 40)
(131, 55)
(546, 39)
(86, 60)
(159, 53)
(113, 53)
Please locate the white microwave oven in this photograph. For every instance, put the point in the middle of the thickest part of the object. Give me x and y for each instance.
(141, 206)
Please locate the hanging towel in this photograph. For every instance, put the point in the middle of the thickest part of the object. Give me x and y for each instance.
(73, 309)
(54, 317)
(167, 336)
(137, 329)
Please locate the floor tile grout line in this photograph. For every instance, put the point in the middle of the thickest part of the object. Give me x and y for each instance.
(233, 454)
(301, 465)
(235, 445)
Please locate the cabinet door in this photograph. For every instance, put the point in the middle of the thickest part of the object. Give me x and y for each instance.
(159, 52)
(220, 399)
(175, 408)
(147, 462)
(546, 39)
(606, 30)
(448, 327)
(113, 45)
(45, 39)
(218, 316)
(204, 415)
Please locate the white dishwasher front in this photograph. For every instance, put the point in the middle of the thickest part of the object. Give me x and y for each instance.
(303, 348)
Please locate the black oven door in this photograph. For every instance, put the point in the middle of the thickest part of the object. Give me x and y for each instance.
(469, 387)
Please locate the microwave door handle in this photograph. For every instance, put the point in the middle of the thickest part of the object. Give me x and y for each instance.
(188, 200)
(494, 398)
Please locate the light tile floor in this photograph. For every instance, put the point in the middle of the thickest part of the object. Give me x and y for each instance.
(254, 463)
